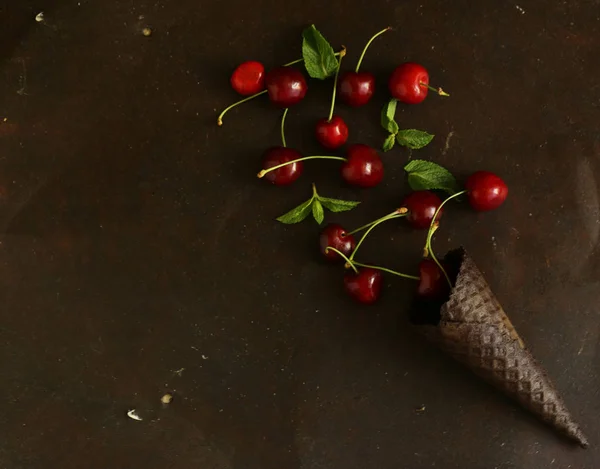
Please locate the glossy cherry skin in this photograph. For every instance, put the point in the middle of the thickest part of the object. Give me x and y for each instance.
(248, 78)
(486, 191)
(364, 287)
(286, 174)
(432, 281)
(286, 86)
(363, 167)
(332, 134)
(421, 206)
(406, 83)
(334, 235)
(356, 88)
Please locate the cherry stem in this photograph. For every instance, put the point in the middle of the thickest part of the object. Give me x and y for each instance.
(439, 91)
(220, 118)
(348, 261)
(294, 62)
(282, 126)
(384, 269)
(373, 225)
(367, 46)
(432, 229)
(273, 168)
(400, 212)
(337, 74)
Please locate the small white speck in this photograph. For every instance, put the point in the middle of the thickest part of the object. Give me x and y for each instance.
(132, 414)
(520, 10)
(530, 214)
(39, 17)
(204, 357)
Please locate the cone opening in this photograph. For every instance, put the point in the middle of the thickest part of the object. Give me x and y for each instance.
(428, 311)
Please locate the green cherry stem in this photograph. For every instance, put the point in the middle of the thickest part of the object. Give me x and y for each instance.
(432, 229)
(367, 46)
(294, 62)
(337, 74)
(283, 125)
(439, 91)
(348, 261)
(220, 118)
(384, 269)
(237, 103)
(381, 220)
(401, 212)
(262, 172)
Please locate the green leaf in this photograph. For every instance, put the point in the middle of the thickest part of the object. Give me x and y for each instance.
(319, 57)
(425, 175)
(317, 211)
(388, 144)
(298, 213)
(413, 138)
(387, 117)
(338, 205)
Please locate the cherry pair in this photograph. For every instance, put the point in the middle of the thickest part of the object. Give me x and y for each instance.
(362, 167)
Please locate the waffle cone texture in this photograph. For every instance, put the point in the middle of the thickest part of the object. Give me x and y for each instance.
(474, 329)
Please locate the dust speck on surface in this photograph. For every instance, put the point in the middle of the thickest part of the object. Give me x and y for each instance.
(132, 414)
(147, 31)
(167, 398)
(39, 17)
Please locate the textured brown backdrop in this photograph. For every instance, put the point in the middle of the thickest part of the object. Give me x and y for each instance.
(138, 253)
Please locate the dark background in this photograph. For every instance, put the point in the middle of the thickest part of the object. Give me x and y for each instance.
(139, 254)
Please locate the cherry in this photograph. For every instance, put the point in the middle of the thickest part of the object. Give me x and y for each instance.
(286, 174)
(248, 78)
(357, 88)
(363, 167)
(335, 236)
(286, 86)
(332, 133)
(408, 83)
(421, 206)
(364, 286)
(485, 191)
(432, 281)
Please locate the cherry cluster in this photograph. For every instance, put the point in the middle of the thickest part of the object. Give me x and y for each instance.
(362, 166)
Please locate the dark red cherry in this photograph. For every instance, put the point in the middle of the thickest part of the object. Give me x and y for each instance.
(332, 134)
(334, 235)
(364, 286)
(286, 86)
(248, 78)
(356, 88)
(486, 191)
(432, 281)
(363, 167)
(286, 174)
(421, 206)
(408, 83)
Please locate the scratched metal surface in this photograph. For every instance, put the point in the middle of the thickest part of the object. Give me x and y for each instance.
(138, 253)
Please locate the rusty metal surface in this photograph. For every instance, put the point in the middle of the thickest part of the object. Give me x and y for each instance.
(139, 255)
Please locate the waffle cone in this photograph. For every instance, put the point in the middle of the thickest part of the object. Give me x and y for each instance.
(474, 329)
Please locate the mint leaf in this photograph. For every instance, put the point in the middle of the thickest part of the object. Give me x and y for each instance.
(338, 205)
(387, 117)
(317, 211)
(425, 175)
(319, 57)
(388, 144)
(297, 214)
(413, 138)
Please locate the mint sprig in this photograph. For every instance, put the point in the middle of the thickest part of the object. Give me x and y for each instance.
(316, 205)
(410, 138)
(426, 175)
(413, 138)
(319, 57)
